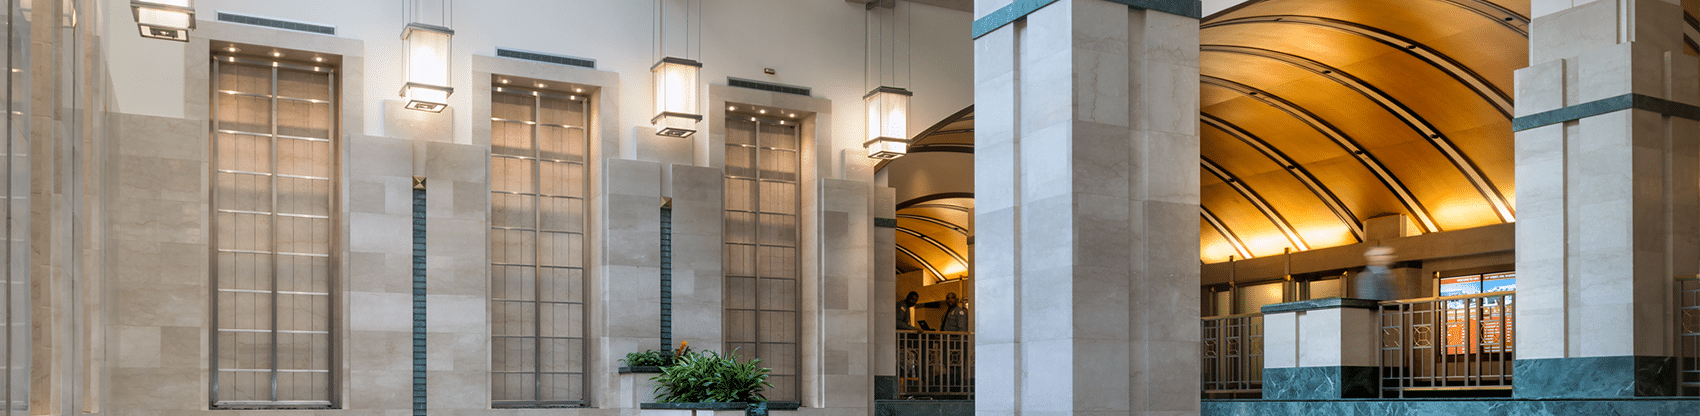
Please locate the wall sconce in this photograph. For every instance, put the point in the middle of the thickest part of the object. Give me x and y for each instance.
(164, 19)
(427, 60)
(888, 118)
(676, 97)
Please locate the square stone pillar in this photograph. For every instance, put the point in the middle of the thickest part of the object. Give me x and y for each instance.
(1607, 196)
(1086, 178)
(1321, 349)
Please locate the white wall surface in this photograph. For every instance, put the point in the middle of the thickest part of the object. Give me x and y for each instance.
(814, 43)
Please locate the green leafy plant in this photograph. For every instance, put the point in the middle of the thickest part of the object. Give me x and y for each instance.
(649, 358)
(703, 377)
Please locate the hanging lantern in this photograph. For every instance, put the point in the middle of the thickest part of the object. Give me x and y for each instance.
(676, 97)
(888, 118)
(427, 60)
(164, 19)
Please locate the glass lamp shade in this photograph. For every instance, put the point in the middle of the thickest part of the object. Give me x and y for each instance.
(888, 118)
(886, 148)
(427, 66)
(164, 19)
(676, 97)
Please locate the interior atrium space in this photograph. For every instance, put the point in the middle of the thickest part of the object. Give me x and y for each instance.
(850, 207)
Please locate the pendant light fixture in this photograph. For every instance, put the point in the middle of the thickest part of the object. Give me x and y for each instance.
(164, 19)
(887, 106)
(676, 76)
(425, 60)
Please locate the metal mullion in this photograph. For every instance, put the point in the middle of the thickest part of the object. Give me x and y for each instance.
(212, 239)
(537, 250)
(274, 233)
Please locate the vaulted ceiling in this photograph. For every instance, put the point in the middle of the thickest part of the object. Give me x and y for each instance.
(1315, 116)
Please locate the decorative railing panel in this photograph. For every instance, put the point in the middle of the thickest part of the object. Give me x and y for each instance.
(1688, 336)
(1233, 356)
(937, 365)
(1447, 346)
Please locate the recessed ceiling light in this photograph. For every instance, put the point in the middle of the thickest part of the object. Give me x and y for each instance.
(542, 85)
(318, 59)
(231, 49)
(731, 108)
(793, 115)
(763, 111)
(752, 119)
(578, 90)
(504, 81)
(277, 54)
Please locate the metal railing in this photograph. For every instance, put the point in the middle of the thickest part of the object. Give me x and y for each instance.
(1233, 356)
(1452, 345)
(1688, 336)
(935, 365)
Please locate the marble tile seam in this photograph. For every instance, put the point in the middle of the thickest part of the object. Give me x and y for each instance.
(1021, 8)
(1604, 106)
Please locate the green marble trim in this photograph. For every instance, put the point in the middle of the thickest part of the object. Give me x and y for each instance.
(1021, 8)
(1320, 304)
(1613, 104)
(885, 222)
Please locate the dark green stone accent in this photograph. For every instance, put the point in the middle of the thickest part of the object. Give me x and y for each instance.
(923, 408)
(885, 222)
(666, 279)
(650, 369)
(1609, 105)
(885, 387)
(1318, 304)
(1320, 383)
(1477, 406)
(419, 302)
(1595, 377)
(1021, 8)
(718, 406)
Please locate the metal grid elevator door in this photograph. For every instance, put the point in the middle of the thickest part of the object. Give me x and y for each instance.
(762, 200)
(273, 195)
(538, 165)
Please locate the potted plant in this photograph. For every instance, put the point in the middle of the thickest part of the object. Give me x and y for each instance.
(649, 361)
(709, 381)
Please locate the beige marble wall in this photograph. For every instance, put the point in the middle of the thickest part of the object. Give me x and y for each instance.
(698, 198)
(847, 297)
(1607, 204)
(1086, 211)
(630, 287)
(1321, 338)
(885, 285)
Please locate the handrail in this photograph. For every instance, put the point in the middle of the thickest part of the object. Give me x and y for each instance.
(1447, 344)
(1446, 298)
(1243, 315)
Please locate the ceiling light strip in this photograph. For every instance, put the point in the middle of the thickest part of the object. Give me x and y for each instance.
(1340, 138)
(1327, 196)
(1269, 212)
(936, 243)
(918, 259)
(1227, 234)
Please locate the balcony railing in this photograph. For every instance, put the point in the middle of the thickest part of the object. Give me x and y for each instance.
(1688, 336)
(1233, 356)
(935, 365)
(1447, 346)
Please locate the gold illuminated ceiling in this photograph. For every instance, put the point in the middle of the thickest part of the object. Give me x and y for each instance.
(1317, 115)
(1320, 114)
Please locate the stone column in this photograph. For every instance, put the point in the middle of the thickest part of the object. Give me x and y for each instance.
(1087, 209)
(1606, 167)
(1321, 349)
